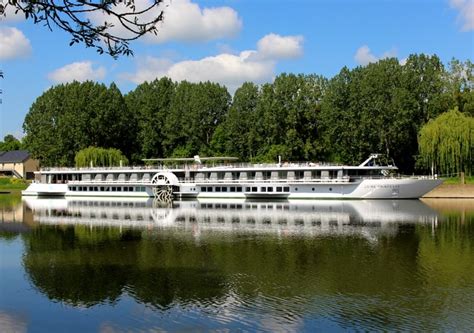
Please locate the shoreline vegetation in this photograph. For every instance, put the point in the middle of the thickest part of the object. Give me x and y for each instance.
(11, 184)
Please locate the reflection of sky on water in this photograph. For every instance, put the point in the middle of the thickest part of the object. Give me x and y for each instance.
(13, 322)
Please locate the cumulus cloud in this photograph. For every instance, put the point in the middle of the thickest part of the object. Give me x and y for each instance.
(466, 13)
(364, 56)
(77, 71)
(13, 44)
(274, 46)
(230, 70)
(183, 21)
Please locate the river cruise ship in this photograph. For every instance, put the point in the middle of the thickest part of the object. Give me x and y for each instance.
(369, 180)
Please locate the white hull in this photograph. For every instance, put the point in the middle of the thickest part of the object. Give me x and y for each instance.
(384, 188)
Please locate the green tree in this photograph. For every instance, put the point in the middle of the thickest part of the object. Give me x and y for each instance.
(151, 103)
(288, 111)
(459, 83)
(237, 134)
(380, 108)
(10, 143)
(447, 143)
(96, 156)
(74, 116)
(196, 110)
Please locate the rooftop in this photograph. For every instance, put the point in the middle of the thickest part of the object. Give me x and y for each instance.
(14, 156)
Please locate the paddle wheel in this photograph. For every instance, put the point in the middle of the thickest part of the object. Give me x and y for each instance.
(163, 183)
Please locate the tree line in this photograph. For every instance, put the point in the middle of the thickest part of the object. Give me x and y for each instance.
(380, 107)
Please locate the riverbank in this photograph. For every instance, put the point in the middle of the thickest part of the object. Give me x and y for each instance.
(452, 191)
(9, 184)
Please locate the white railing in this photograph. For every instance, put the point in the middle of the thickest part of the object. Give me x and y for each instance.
(197, 166)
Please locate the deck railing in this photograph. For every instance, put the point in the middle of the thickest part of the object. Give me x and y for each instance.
(342, 180)
(192, 167)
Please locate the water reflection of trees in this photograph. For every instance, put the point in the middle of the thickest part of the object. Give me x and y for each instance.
(353, 279)
(85, 267)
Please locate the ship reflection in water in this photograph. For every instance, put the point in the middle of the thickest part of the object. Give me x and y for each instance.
(326, 217)
(116, 265)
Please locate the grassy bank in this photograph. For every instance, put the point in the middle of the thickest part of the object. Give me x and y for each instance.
(457, 180)
(12, 184)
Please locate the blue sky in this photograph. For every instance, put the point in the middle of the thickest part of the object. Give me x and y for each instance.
(232, 41)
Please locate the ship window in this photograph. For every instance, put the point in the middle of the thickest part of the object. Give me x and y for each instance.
(263, 189)
(203, 189)
(218, 189)
(224, 189)
(96, 188)
(125, 189)
(130, 189)
(312, 189)
(286, 189)
(102, 188)
(239, 189)
(279, 189)
(296, 189)
(232, 189)
(254, 189)
(247, 189)
(330, 189)
(209, 189)
(270, 189)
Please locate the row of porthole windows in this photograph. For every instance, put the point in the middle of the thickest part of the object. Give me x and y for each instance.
(107, 188)
(247, 189)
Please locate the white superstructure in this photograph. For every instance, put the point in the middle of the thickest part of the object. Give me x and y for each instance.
(268, 181)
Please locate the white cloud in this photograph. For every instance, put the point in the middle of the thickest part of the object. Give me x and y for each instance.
(10, 16)
(183, 21)
(364, 56)
(13, 44)
(186, 21)
(225, 68)
(466, 13)
(274, 46)
(77, 71)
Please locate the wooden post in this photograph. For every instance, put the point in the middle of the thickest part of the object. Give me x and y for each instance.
(463, 180)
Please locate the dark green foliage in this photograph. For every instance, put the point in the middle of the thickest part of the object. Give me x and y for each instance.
(97, 157)
(237, 134)
(71, 117)
(279, 119)
(10, 143)
(151, 103)
(380, 108)
(195, 111)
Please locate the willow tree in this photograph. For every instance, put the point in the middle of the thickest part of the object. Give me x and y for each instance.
(447, 143)
(94, 156)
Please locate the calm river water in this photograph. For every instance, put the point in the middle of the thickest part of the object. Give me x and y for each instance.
(113, 265)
